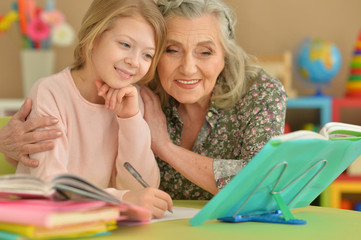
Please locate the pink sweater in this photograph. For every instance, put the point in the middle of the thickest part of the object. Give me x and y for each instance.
(95, 142)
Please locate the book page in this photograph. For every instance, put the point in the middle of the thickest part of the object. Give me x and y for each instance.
(341, 130)
(24, 186)
(178, 213)
(301, 134)
(74, 187)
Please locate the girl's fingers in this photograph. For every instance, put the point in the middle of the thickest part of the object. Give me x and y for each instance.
(108, 97)
(157, 212)
(166, 199)
(102, 88)
(161, 204)
(113, 99)
(98, 84)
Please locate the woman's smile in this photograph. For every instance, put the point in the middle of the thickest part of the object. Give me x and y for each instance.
(188, 84)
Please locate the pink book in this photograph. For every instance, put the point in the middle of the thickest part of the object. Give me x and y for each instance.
(67, 199)
(47, 213)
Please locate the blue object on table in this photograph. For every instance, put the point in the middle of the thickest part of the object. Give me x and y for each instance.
(9, 236)
(275, 217)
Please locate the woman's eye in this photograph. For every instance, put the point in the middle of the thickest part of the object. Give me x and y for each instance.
(206, 53)
(171, 50)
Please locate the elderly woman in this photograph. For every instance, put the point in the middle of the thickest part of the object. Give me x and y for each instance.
(213, 110)
(219, 109)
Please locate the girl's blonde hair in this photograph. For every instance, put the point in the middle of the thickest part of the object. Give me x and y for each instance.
(100, 17)
(238, 72)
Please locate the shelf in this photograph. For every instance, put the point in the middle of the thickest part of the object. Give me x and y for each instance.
(344, 184)
(10, 106)
(324, 104)
(339, 103)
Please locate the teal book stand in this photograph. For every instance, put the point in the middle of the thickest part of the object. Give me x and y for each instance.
(282, 176)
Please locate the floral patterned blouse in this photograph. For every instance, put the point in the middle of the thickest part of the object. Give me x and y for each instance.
(231, 136)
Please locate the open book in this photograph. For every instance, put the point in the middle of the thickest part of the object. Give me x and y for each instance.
(331, 131)
(62, 187)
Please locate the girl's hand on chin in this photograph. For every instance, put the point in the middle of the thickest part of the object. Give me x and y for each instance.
(123, 101)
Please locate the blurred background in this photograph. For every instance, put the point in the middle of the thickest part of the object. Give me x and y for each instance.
(263, 28)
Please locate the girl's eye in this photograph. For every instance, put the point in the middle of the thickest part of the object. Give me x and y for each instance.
(149, 56)
(124, 44)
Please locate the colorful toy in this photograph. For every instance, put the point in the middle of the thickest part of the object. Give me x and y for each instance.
(287, 127)
(310, 127)
(346, 204)
(318, 61)
(353, 86)
(40, 28)
(7, 20)
(357, 206)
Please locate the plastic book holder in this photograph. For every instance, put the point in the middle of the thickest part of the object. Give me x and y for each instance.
(284, 175)
(283, 215)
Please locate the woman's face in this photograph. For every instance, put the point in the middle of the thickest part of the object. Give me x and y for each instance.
(123, 54)
(193, 59)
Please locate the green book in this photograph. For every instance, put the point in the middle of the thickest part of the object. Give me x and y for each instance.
(290, 171)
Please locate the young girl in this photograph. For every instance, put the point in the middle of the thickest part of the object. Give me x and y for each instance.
(120, 42)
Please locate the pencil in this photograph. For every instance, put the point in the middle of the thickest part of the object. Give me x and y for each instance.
(137, 176)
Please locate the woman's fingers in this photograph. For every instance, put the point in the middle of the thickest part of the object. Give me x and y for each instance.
(36, 148)
(38, 136)
(19, 138)
(25, 160)
(23, 111)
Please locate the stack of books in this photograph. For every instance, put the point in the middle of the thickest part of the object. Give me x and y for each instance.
(69, 207)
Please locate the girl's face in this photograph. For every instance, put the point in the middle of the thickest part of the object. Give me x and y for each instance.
(193, 59)
(123, 54)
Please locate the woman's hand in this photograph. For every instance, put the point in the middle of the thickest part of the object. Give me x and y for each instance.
(18, 138)
(123, 101)
(154, 116)
(152, 199)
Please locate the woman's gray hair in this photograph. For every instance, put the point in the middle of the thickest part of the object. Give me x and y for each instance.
(234, 80)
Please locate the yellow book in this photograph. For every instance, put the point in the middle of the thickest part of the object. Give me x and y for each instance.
(71, 231)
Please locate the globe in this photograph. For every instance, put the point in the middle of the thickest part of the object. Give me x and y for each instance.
(318, 61)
